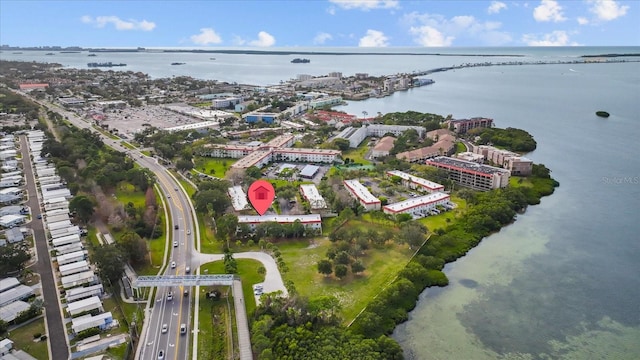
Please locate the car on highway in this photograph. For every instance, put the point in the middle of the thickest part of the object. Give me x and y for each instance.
(173, 264)
(188, 232)
(160, 354)
(176, 227)
(175, 243)
(186, 292)
(183, 329)
(187, 269)
(170, 296)
(165, 328)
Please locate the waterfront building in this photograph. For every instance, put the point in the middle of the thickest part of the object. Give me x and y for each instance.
(226, 102)
(311, 221)
(518, 165)
(325, 101)
(414, 182)
(362, 194)
(472, 175)
(417, 207)
(469, 156)
(312, 195)
(461, 126)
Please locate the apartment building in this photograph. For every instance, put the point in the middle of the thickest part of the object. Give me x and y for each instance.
(471, 174)
(362, 194)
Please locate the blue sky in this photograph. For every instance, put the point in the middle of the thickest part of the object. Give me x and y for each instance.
(319, 23)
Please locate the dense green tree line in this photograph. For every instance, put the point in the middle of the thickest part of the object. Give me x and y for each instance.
(510, 138)
(299, 328)
(414, 118)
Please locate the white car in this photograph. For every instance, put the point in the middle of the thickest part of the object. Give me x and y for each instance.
(188, 232)
(165, 328)
(175, 244)
(173, 264)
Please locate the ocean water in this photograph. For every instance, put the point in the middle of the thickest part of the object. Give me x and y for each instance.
(562, 281)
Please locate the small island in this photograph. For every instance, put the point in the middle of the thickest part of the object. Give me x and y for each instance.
(603, 114)
(300, 61)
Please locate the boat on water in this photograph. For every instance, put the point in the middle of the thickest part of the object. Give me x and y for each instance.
(49, 54)
(105, 64)
(177, 63)
(212, 58)
(300, 61)
(17, 52)
(92, 55)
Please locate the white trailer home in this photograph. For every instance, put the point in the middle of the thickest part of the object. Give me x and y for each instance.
(74, 268)
(71, 257)
(71, 281)
(80, 293)
(87, 304)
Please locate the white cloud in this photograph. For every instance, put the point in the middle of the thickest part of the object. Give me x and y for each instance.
(264, 40)
(118, 24)
(548, 10)
(607, 10)
(238, 41)
(321, 38)
(555, 38)
(428, 36)
(436, 30)
(496, 6)
(366, 5)
(374, 38)
(583, 21)
(206, 36)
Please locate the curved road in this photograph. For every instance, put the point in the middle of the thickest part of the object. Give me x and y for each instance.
(175, 310)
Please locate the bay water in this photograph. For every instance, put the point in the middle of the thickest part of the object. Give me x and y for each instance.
(561, 282)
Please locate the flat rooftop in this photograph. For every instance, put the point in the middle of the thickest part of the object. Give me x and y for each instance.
(466, 166)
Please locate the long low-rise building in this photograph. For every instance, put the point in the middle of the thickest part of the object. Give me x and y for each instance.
(10, 311)
(362, 194)
(88, 304)
(71, 281)
(419, 206)
(80, 293)
(312, 195)
(71, 257)
(74, 268)
(471, 174)
(102, 321)
(65, 240)
(313, 221)
(414, 182)
(355, 136)
(69, 248)
(19, 292)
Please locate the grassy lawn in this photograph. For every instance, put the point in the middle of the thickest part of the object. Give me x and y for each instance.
(22, 338)
(357, 155)
(214, 316)
(440, 221)
(460, 147)
(354, 292)
(187, 186)
(126, 193)
(208, 242)
(520, 182)
(213, 166)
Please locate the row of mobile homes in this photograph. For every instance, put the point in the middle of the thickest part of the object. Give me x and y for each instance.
(74, 268)
(79, 279)
(102, 321)
(71, 257)
(19, 292)
(70, 230)
(84, 305)
(69, 248)
(83, 292)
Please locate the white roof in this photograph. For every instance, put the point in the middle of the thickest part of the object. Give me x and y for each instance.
(77, 279)
(80, 292)
(8, 283)
(73, 255)
(417, 180)
(254, 219)
(93, 302)
(87, 322)
(74, 265)
(238, 198)
(10, 311)
(416, 202)
(7, 219)
(15, 293)
(310, 192)
(360, 191)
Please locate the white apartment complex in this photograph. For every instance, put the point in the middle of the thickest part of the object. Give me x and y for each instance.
(417, 207)
(312, 195)
(357, 135)
(362, 194)
(414, 182)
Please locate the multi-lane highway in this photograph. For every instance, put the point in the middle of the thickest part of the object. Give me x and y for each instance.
(174, 310)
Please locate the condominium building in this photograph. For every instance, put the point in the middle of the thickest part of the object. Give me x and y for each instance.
(325, 101)
(362, 194)
(461, 126)
(383, 147)
(312, 195)
(414, 182)
(446, 145)
(471, 174)
(357, 135)
(417, 207)
(518, 165)
(312, 221)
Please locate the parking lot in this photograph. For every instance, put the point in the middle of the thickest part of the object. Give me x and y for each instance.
(133, 119)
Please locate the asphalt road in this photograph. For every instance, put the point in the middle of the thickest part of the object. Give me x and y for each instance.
(58, 344)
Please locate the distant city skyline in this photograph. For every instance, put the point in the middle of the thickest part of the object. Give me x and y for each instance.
(319, 23)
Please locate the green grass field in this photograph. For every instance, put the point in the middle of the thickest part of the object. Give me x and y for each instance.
(22, 338)
(217, 167)
(126, 193)
(353, 292)
(357, 155)
(440, 221)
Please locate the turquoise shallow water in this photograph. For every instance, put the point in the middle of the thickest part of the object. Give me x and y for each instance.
(562, 281)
